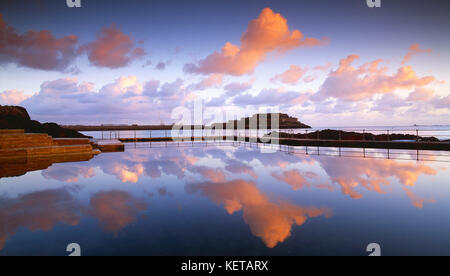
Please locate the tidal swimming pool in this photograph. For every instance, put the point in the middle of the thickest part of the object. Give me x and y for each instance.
(228, 200)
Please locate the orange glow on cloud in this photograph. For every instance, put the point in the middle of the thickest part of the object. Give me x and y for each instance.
(265, 34)
(413, 51)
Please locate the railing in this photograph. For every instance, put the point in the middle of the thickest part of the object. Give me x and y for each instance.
(423, 155)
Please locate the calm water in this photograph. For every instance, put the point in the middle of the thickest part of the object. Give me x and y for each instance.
(439, 132)
(228, 200)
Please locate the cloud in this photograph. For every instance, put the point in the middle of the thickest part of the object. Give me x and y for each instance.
(265, 34)
(212, 81)
(413, 51)
(323, 68)
(126, 100)
(234, 88)
(421, 95)
(443, 102)
(354, 84)
(12, 97)
(36, 49)
(112, 49)
(292, 75)
(309, 79)
(389, 102)
(271, 97)
(162, 65)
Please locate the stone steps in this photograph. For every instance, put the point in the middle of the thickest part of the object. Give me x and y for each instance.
(44, 151)
(22, 144)
(17, 145)
(23, 136)
(71, 141)
(12, 141)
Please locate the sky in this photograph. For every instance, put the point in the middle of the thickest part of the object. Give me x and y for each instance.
(328, 63)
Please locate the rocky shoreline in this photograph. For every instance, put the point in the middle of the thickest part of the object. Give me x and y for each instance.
(330, 134)
(16, 117)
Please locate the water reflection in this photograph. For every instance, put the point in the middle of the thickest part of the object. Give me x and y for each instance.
(115, 209)
(37, 211)
(43, 210)
(264, 189)
(272, 222)
(374, 174)
(18, 167)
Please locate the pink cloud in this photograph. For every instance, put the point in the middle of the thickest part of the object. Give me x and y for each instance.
(324, 68)
(292, 75)
(12, 97)
(413, 51)
(309, 79)
(235, 88)
(265, 34)
(126, 100)
(421, 95)
(212, 81)
(351, 83)
(112, 49)
(36, 49)
(272, 97)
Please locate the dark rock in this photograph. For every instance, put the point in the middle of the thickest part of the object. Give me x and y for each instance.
(16, 117)
(14, 111)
